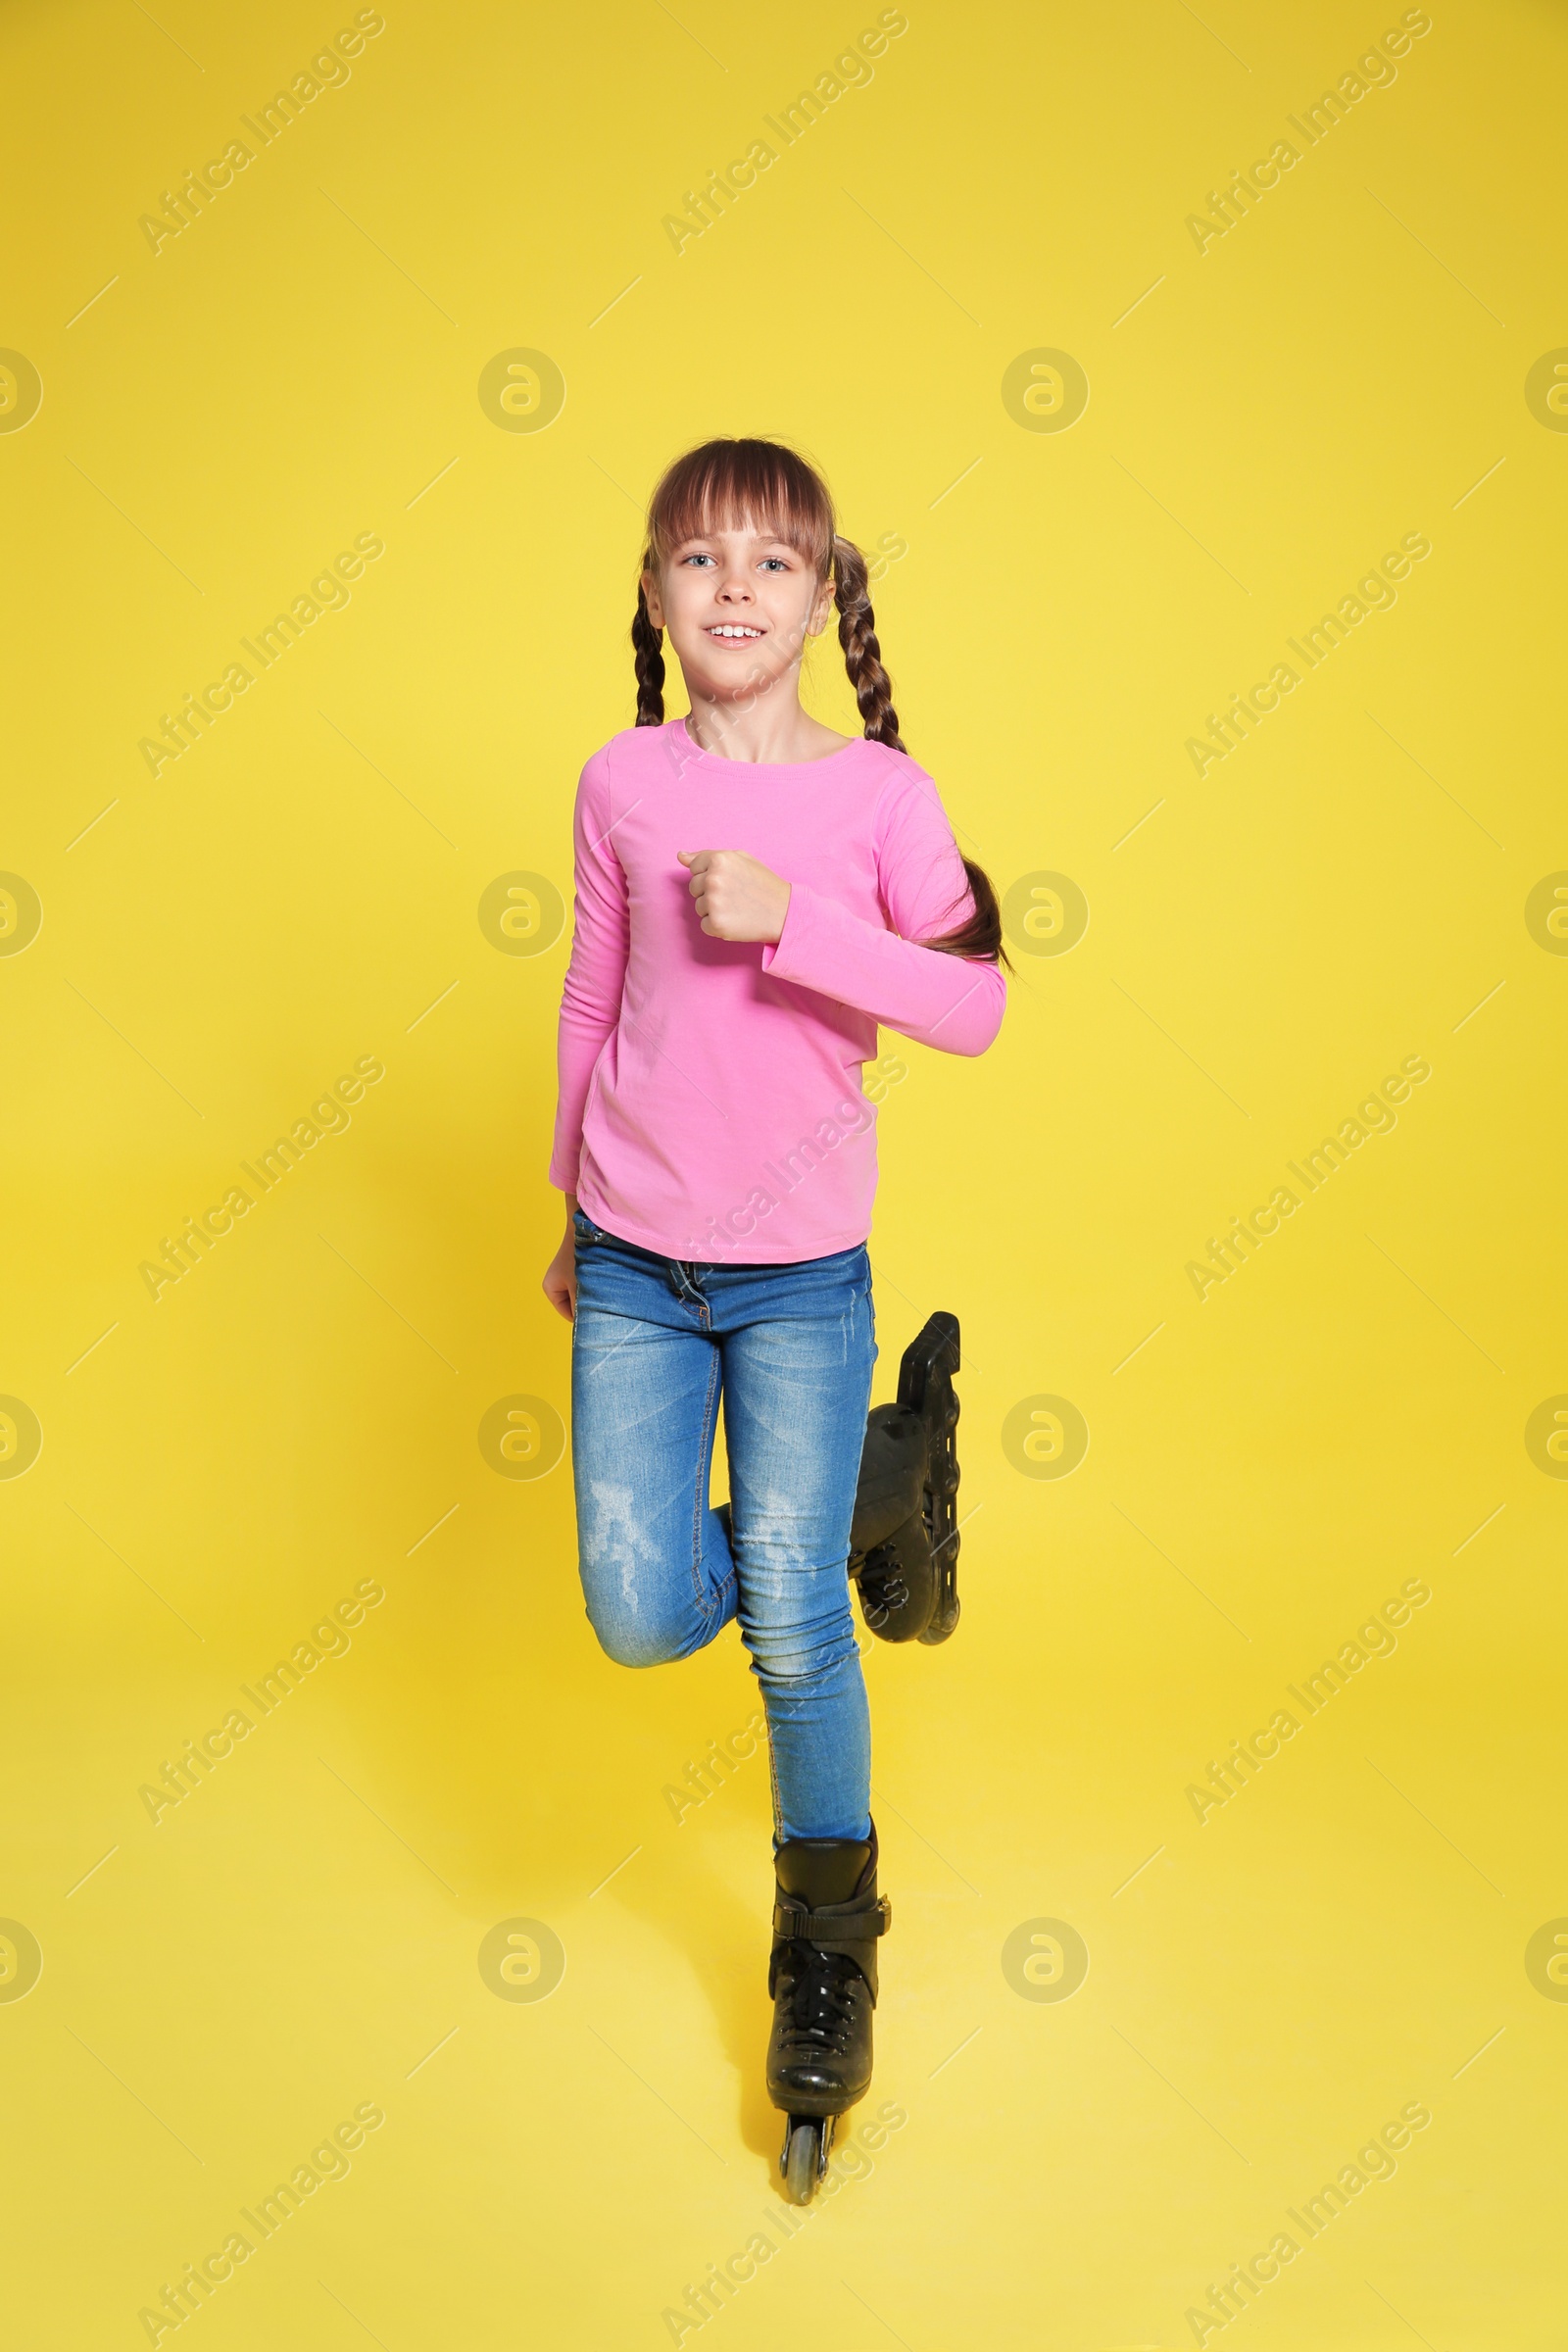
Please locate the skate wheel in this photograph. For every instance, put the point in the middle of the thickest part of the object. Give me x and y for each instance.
(805, 2157)
(943, 1624)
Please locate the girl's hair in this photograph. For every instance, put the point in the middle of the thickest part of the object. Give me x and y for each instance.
(728, 481)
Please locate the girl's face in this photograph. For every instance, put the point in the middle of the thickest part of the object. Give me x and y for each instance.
(739, 605)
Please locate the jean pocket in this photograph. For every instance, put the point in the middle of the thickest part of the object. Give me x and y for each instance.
(584, 1229)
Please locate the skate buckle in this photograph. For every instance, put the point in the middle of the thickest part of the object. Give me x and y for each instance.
(829, 1927)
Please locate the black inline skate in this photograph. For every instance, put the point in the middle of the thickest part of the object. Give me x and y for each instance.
(823, 1979)
(904, 1544)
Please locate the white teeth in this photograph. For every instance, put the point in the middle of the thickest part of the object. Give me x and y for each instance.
(726, 631)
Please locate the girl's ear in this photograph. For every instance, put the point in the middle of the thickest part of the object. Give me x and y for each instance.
(822, 609)
(650, 588)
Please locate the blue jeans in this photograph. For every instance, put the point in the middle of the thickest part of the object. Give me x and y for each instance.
(791, 1349)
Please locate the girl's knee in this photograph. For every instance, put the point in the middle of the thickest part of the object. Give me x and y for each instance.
(639, 1641)
(792, 1670)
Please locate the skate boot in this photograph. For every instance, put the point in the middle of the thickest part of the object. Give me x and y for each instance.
(823, 1979)
(904, 1544)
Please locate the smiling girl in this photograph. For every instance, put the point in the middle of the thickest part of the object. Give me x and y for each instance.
(755, 892)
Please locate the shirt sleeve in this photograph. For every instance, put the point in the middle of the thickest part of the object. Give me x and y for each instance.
(590, 998)
(954, 1002)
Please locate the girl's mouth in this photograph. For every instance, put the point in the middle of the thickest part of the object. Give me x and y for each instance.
(733, 634)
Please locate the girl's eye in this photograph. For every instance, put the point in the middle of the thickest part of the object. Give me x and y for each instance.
(778, 559)
(698, 559)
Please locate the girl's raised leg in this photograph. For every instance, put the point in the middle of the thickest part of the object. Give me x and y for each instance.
(658, 1575)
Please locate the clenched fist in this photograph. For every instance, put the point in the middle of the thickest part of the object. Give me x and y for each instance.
(737, 897)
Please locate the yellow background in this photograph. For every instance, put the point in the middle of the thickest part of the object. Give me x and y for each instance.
(1266, 417)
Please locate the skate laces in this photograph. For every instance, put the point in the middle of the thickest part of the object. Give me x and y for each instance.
(821, 2007)
(883, 1589)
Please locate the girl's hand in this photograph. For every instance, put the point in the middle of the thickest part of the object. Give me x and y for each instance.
(737, 897)
(560, 1285)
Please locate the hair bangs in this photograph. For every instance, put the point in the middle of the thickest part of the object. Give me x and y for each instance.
(726, 484)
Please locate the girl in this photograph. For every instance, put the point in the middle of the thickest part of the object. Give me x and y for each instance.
(754, 893)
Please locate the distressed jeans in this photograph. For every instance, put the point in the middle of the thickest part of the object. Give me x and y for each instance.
(791, 1349)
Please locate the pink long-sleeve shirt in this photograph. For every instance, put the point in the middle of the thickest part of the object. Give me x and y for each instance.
(710, 1103)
